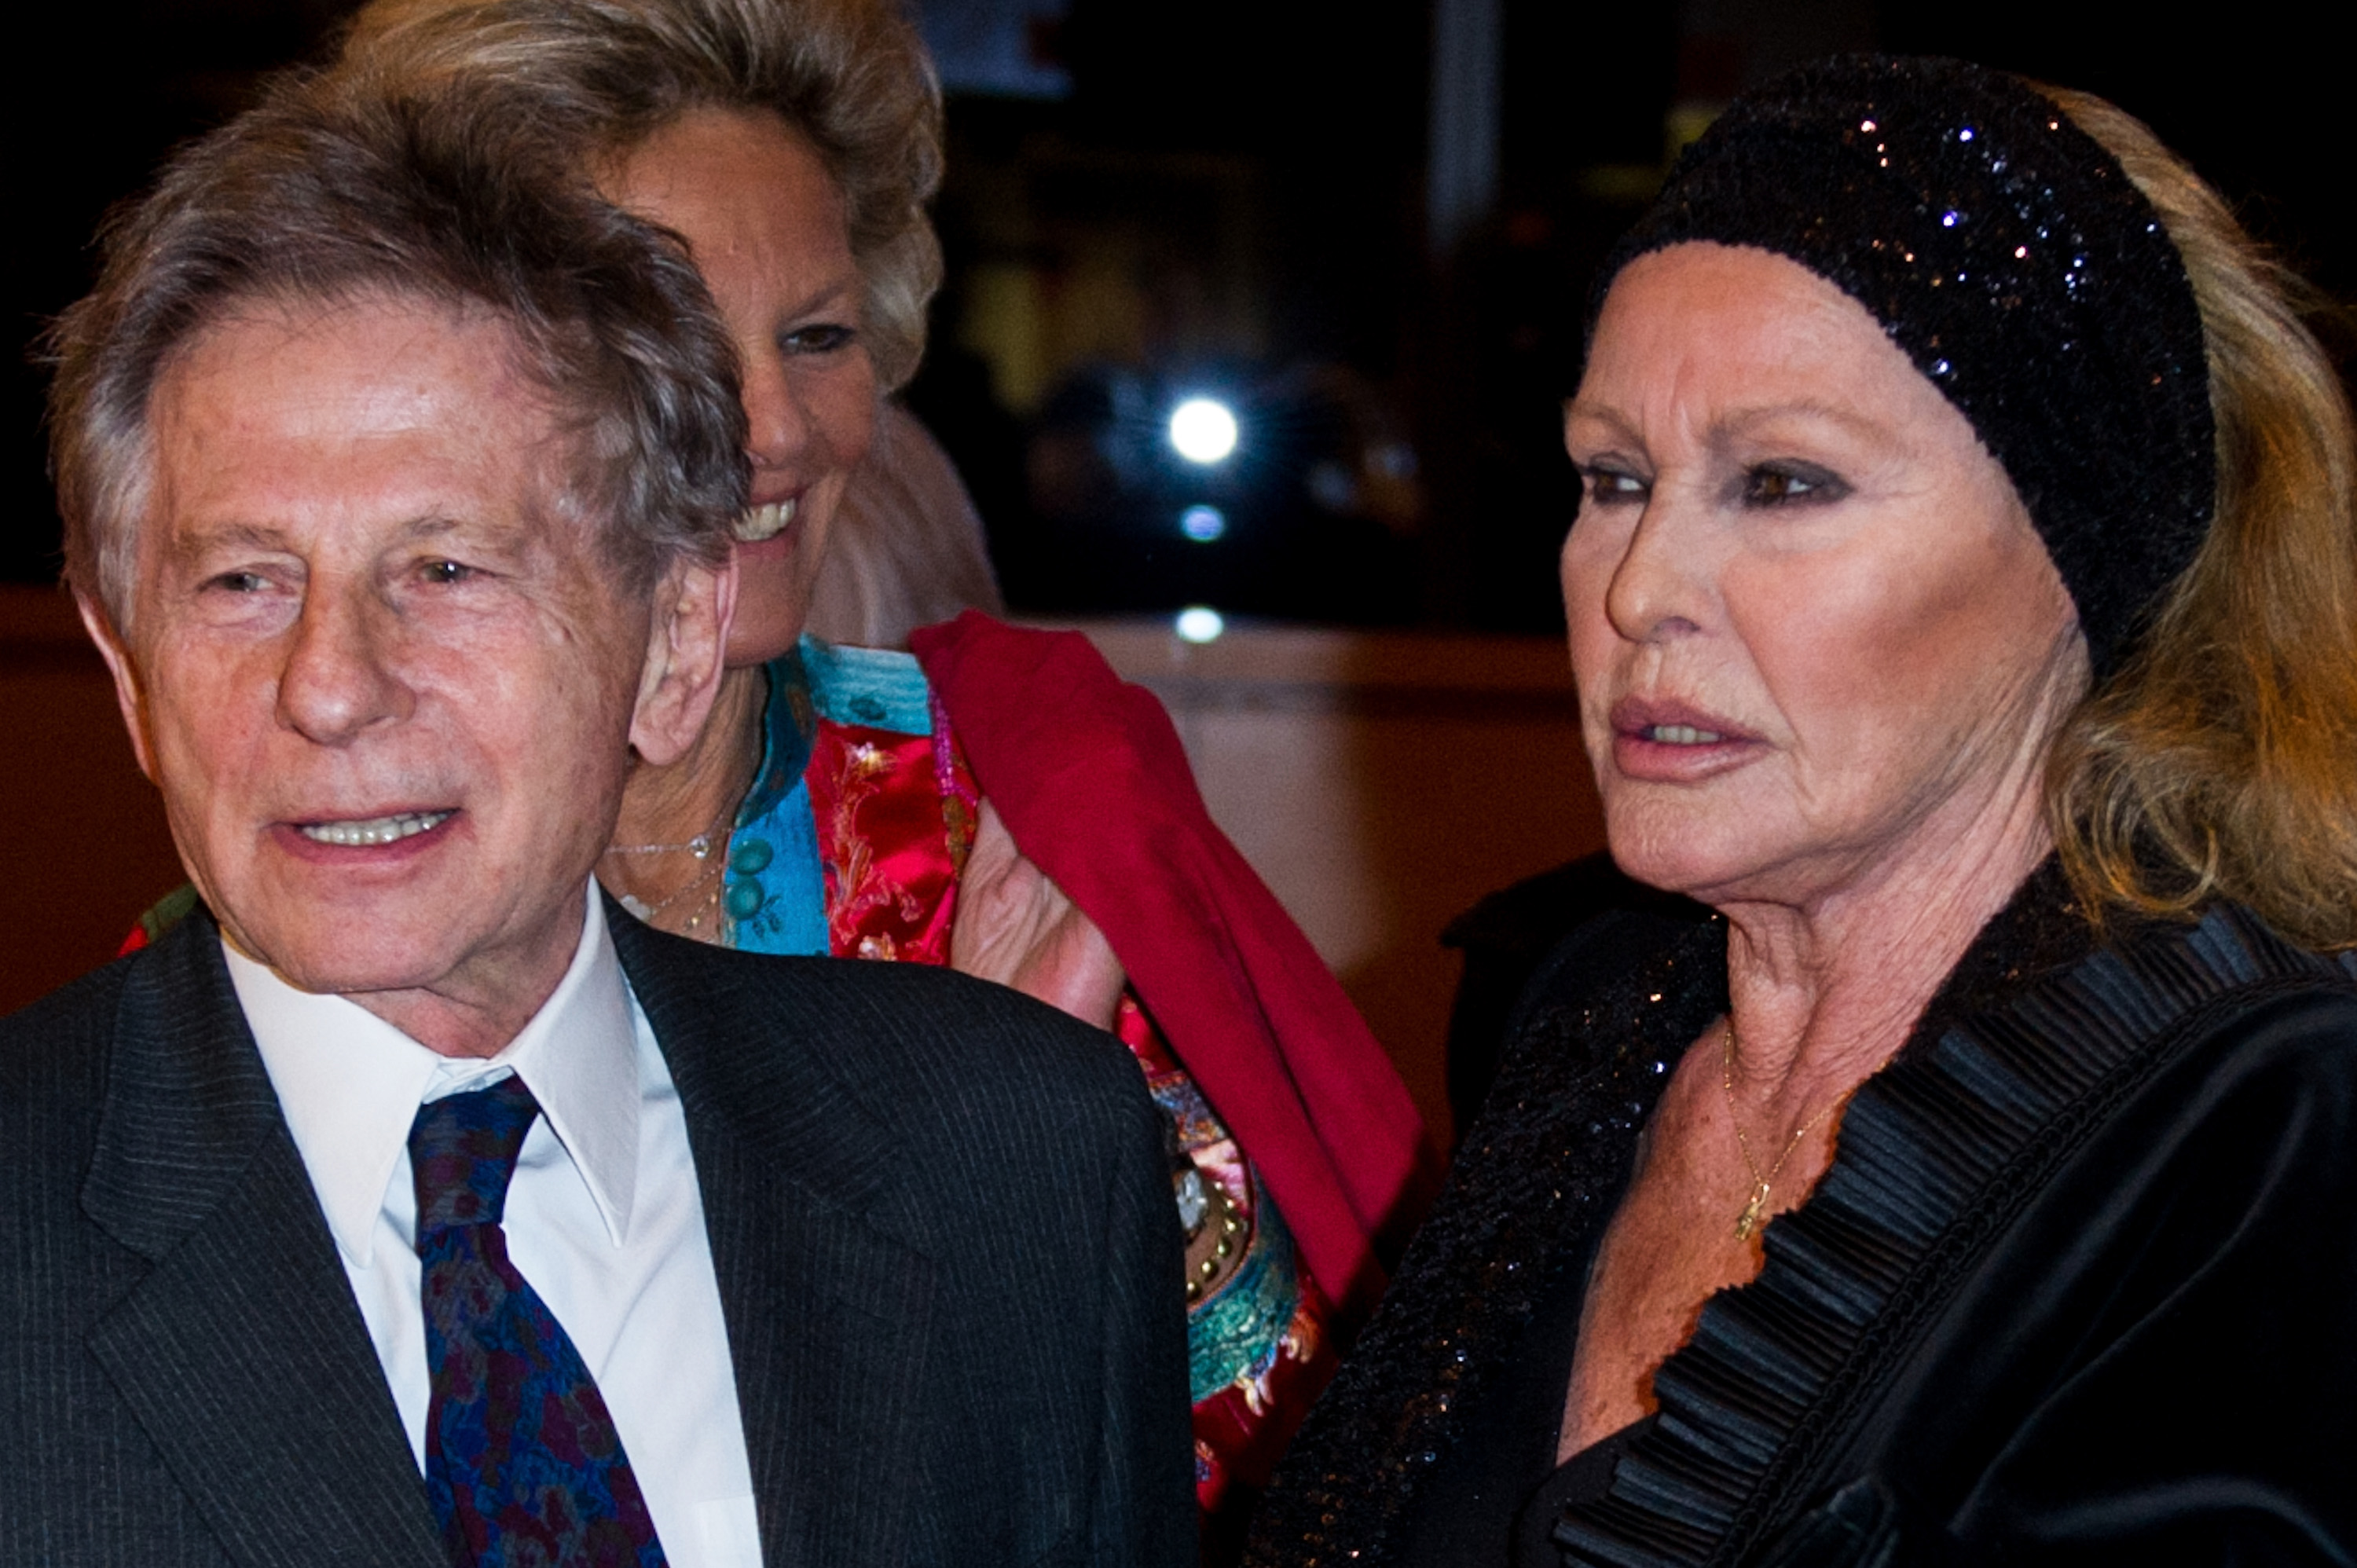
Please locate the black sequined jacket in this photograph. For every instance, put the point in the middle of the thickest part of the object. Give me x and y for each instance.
(2081, 1284)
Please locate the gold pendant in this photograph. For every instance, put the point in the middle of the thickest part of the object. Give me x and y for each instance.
(1748, 1220)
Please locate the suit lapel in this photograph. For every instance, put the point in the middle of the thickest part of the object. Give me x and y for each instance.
(241, 1354)
(829, 1312)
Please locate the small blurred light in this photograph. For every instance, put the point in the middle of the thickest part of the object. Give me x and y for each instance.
(1202, 523)
(1200, 623)
(1204, 430)
(1393, 460)
(1330, 486)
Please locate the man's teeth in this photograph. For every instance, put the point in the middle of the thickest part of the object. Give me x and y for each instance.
(375, 830)
(1682, 734)
(756, 523)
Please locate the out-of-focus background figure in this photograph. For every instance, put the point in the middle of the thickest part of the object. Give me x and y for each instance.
(908, 549)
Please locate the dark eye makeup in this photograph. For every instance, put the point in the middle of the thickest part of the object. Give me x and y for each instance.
(1779, 482)
(1607, 484)
(1786, 482)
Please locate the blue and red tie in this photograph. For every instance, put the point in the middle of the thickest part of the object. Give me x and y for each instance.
(522, 1462)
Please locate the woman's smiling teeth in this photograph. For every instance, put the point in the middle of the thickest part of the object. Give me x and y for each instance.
(375, 830)
(756, 523)
(1682, 734)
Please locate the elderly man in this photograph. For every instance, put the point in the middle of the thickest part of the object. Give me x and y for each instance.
(409, 1206)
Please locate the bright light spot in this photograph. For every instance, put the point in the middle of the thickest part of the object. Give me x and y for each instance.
(1200, 623)
(1202, 523)
(1203, 429)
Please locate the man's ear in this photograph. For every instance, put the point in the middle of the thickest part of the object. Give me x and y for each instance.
(688, 643)
(127, 694)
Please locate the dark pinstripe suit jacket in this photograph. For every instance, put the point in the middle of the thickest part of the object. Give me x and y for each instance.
(938, 1214)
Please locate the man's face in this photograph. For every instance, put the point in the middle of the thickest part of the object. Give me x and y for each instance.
(386, 685)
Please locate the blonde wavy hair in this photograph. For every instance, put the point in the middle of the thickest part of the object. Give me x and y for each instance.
(597, 77)
(2221, 759)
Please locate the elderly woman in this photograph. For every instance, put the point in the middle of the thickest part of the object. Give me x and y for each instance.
(1965, 618)
(1008, 807)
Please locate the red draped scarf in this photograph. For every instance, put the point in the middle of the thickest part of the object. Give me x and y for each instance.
(1088, 774)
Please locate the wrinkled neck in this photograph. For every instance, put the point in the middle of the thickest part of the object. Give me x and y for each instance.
(1825, 991)
(698, 793)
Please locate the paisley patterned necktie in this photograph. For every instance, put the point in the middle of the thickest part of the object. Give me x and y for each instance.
(522, 1462)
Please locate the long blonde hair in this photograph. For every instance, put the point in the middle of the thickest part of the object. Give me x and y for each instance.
(2221, 759)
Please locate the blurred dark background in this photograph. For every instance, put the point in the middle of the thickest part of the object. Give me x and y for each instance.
(1366, 227)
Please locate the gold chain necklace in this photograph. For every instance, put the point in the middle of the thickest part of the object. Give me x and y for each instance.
(1754, 1212)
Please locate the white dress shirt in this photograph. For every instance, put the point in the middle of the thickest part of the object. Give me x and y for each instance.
(604, 1216)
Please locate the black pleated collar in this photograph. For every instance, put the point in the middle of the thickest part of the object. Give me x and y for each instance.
(2034, 1026)
(2037, 1036)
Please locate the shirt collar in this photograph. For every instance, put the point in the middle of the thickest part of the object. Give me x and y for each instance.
(350, 1083)
(788, 725)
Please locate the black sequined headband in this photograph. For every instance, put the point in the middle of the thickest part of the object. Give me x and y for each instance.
(2008, 253)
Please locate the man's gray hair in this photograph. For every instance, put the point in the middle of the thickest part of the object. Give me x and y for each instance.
(308, 200)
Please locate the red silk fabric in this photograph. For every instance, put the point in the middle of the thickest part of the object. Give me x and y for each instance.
(1089, 777)
(896, 816)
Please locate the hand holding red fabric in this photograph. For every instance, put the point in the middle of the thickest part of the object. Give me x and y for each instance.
(1089, 776)
(1015, 927)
